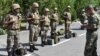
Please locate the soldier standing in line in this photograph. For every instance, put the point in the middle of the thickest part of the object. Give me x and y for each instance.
(67, 18)
(54, 23)
(83, 18)
(91, 34)
(45, 20)
(12, 21)
(33, 20)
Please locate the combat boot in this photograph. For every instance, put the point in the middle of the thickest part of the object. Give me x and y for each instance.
(10, 52)
(66, 36)
(34, 48)
(43, 43)
(31, 49)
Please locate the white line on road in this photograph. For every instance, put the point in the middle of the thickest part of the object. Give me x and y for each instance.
(61, 42)
(81, 34)
(66, 40)
(28, 55)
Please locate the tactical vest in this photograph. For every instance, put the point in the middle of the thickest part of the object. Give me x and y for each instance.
(94, 20)
(55, 17)
(35, 18)
(16, 23)
(46, 20)
(67, 17)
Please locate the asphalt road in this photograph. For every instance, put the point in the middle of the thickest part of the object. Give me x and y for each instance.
(66, 47)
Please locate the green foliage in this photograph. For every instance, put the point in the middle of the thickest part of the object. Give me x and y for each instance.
(76, 5)
(2, 31)
(80, 4)
(61, 22)
(23, 26)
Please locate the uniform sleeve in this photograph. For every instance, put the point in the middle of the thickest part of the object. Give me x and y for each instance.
(20, 17)
(95, 22)
(42, 18)
(98, 20)
(65, 15)
(6, 19)
(50, 17)
(29, 15)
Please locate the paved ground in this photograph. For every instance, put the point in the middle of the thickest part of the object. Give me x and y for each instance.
(66, 47)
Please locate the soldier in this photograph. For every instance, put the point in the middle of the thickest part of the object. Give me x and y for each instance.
(67, 18)
(91, 34)
(83, 18)
(12, 21)
(45, 26)
(54, 23)
(33, 20)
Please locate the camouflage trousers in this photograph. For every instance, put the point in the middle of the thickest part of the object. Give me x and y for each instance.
(12, 39)
(91, 44)
(53, 29)
(33, 33)
(67, 29)
(44, 31)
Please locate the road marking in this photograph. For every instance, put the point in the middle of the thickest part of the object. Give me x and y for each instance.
(28, 55)
(61, 42)
(81, 34)
(66, 40)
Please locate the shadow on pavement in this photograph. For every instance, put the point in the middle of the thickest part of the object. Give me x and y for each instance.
(76, 29)
(27, 44)
(31, 54)
(2, 49)
(34, 54)
(3, 55)
(37, 44)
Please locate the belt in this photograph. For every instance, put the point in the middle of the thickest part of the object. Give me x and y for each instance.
(92, 30)
(34, 23)
(46, 25)
(13, 29)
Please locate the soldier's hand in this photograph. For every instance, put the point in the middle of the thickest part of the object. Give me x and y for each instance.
(88, 26)
(29, 18)
(13, 20)
(5, 22)
(84, 25)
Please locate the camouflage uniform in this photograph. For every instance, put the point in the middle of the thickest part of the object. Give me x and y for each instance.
(45, 27)
(12, 21)
(33, 20)
(54, 23)
(67, 18)
(83, 18)
(91, 34)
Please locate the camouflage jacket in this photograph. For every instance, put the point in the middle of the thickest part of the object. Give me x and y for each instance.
(67, 17)
(12, 21)
(93, 21)
(33, 18)
(45, 20)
